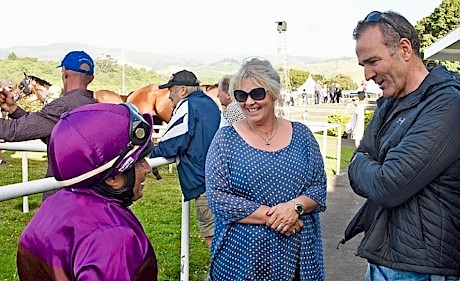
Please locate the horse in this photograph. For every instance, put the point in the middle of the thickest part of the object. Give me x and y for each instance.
(148, 99)
(45, 91)
(13, 88)
(151, 99)
(107, 96)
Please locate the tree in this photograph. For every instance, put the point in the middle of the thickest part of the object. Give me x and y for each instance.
(297, 77)
(12, 56)
(439, 23)
(107, 64)
(345, 82)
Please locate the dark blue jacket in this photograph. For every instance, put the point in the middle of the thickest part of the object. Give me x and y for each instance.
(194, 122)
(408, 167)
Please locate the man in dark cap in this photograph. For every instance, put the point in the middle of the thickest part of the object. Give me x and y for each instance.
(196, 118)
(77, 74)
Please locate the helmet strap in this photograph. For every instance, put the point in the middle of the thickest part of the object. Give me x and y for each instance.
(124, 194)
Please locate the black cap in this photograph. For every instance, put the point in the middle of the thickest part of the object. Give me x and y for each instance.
(182, 78)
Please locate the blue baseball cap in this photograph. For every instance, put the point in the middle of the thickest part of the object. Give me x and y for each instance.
(78, 61)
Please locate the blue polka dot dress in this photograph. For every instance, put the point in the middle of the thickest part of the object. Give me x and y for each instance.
(240, 178)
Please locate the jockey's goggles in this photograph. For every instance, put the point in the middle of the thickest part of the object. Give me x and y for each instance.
(140, 132)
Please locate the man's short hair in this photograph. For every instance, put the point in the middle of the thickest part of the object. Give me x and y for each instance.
(225, 83)
(393, 27)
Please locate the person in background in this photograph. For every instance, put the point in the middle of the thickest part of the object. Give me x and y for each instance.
(196, 118)
(357, 120)
(231, 110)
(332, 89)
(86, 231)
(77, 74)
(407, 165)
(338, 94)
(318, 88)
(266, 186)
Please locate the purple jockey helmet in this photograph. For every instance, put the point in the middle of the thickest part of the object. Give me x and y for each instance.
(96, 141)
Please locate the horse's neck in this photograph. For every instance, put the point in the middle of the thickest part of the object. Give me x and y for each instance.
(163, 107)
(41, 92)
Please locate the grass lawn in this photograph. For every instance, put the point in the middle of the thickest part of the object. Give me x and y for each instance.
(159, 212)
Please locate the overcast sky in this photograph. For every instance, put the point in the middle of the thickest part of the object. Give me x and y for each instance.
(316, 28)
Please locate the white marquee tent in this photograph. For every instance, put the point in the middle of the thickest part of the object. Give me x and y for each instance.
(308, 86)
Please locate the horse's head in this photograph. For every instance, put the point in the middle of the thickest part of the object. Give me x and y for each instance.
(24, 86)
(37, 86)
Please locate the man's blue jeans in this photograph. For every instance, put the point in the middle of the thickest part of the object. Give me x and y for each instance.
(381, 273)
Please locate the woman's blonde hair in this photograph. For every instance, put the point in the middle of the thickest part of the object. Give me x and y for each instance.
(260, 71)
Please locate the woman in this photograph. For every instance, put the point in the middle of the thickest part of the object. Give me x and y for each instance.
(357, 121)
(266, 186)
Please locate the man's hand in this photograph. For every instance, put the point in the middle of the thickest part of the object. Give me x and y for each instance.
(7, 102)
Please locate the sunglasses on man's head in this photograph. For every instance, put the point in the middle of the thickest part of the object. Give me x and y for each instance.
(377, 16)
(256, 94)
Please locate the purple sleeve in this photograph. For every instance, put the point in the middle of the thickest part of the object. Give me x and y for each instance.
(114, 253)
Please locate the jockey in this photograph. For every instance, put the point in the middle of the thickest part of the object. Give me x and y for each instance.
(86, 230)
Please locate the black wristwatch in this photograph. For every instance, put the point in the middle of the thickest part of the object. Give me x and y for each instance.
(299, 208)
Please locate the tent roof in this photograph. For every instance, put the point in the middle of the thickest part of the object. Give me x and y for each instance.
(308, 85)
(446, 48)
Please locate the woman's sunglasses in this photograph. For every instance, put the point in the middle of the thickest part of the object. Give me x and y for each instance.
(256, 94)
(377, 16)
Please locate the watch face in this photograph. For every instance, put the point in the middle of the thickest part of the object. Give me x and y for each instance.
(299, 208)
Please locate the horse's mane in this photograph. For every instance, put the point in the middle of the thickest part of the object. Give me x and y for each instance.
(40, 81)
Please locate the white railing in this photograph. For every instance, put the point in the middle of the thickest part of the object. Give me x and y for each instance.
(47, 184)
(324, 127)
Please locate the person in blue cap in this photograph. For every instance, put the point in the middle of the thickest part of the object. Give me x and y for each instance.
(77, 74)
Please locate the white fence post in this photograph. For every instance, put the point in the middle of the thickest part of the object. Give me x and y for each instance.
(185, 241)
(25, 178)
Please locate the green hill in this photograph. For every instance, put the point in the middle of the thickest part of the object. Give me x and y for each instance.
(142, 68)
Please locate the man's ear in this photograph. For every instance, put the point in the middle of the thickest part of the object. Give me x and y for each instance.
(184, 92)
(116, 182)
(406, 48)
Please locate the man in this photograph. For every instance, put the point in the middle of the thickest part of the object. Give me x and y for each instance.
(77, 74)
(231, 110)
(86, 231)
(408, 163)
(317, 88)
(196, 118)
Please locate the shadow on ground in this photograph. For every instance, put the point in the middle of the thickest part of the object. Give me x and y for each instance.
(342, 204)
